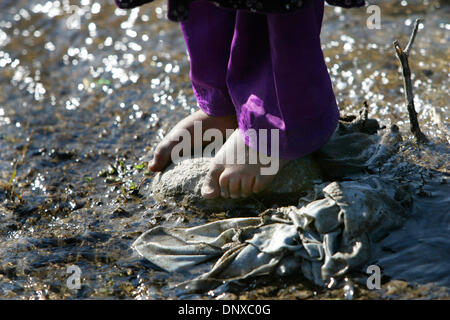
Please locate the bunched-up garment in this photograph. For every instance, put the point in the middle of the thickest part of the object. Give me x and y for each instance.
(179, 9)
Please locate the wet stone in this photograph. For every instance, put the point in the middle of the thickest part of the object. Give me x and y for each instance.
(182, 184)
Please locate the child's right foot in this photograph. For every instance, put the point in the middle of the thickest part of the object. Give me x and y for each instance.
(162, 155)
(238, 177)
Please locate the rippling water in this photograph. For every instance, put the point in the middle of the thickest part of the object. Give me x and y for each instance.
(87, 90)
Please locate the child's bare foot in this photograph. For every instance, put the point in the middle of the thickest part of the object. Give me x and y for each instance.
(162, 155)
(242, 176)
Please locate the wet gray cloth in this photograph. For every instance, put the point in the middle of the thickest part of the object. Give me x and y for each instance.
(355, 150)
(326, 237)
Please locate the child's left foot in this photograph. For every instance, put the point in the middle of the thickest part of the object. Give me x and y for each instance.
(238, 177)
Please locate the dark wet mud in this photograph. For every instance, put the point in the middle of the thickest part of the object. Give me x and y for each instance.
(87, 90)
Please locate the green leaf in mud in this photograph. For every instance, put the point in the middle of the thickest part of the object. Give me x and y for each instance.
(140, 166)
(88, 84)
(12, 177)
(102, 82)
(111, 171)
(124, 192)
(132, 186)
(88, 179)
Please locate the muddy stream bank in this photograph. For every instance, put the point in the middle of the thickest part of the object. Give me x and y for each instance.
(87, 90)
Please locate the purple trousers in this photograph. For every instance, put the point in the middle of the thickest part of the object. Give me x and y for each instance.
(268, 69)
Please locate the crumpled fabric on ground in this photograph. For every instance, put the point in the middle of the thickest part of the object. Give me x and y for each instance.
(355, 149)
(324, 238)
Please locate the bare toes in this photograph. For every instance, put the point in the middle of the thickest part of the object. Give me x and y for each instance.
(235, 187)
(224, 181)
(161, 158)
(211, 187)
(247, 186)
(259, 185)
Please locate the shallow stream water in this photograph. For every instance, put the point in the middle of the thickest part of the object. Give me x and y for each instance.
(87, 90)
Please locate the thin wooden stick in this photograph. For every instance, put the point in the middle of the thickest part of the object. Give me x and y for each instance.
(403, 55)
(413, 36)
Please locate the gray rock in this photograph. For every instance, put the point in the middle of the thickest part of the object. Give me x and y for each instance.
(182, 183)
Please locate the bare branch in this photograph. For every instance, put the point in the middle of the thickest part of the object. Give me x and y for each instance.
(402, 56)
(413, 36)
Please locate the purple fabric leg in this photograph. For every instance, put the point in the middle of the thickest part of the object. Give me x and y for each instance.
(208, 33)
(276, 76)
(278, 79)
